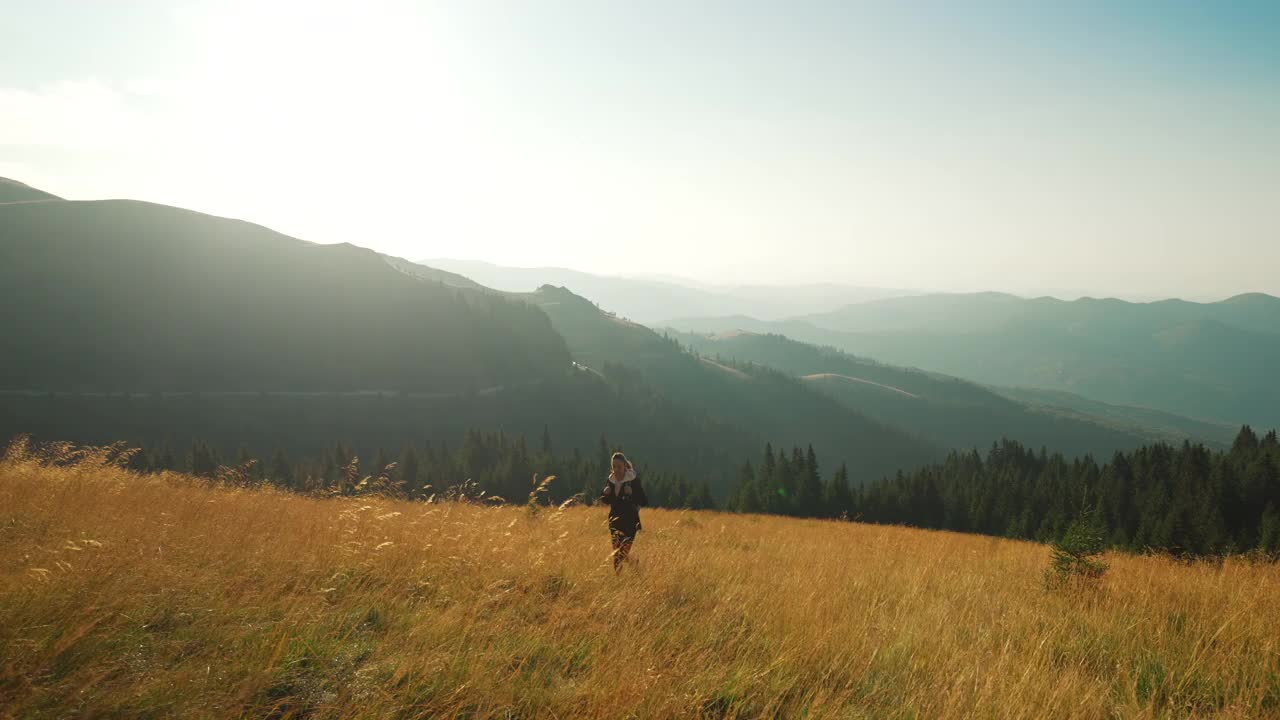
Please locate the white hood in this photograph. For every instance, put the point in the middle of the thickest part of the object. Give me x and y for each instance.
(626, 478)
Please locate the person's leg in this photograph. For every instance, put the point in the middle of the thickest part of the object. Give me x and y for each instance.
(622, 551)
(618, 553)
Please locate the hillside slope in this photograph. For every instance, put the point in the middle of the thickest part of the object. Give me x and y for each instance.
(123, 295)
(948, 411)
(130, 320)
(127, 596)
(778, 407)
(1155, 423)
(1212, 361)
(14, 191)
(124, 320)
(977, 313)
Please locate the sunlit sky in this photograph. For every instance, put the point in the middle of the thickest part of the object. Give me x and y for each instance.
(1108, 148)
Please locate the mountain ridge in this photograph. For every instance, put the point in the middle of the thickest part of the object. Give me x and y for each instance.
(923, 310)
(132, 320)
(1208, 361)
(653, 300)
(165, 301)
(950, 411)
(14, 191)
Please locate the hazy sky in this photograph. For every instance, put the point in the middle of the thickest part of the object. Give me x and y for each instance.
(1110, 147)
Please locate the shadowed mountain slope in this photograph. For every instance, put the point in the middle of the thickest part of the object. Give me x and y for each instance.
(1212, 361)
(948, 411)
(129, 320)
(124, 295)
(779, 407)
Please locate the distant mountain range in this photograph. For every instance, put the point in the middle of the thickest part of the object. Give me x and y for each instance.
(773, 405)
(129, 320)
(957, 413)
(1212, 361)
(654, 300)
(976, 313)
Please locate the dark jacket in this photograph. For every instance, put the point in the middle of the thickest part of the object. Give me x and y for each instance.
(624, 503)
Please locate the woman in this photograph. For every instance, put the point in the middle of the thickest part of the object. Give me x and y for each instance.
(624, 495)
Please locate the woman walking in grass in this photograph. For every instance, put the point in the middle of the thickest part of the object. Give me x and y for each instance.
(624, 494)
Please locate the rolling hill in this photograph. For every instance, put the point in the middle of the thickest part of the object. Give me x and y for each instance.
(14, 191)
(951, 412)
(128, 296)
(976, 313)
(124, 319)
(1155, 424)
(129, 320)
(1211, 361)
(777, 406)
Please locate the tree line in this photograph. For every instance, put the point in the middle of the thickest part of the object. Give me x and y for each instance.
(1185, 500)
(491, 466)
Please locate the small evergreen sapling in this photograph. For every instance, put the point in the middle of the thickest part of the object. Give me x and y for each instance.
(1076, 556)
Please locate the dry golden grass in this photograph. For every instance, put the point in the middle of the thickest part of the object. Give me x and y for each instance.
(128, 596)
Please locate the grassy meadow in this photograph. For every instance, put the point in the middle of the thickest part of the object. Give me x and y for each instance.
(160, 596)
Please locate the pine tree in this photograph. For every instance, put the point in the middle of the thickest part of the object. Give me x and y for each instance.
(1075, 556)
(591, 485)
(281, 473)
(407, 471)
(202, 461)
(380, 462)
(1269, 535)
(139, 461)
(700, 498)
(785, 483)
(1245, 445)
(747, 499)
(328, 471)
(602, 457)
(809, 491)
(166, 461)
(838, 500)
(341, 455)
(772, 494)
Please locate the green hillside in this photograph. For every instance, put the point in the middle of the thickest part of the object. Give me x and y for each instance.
(1211, 361)
(131, 321)
(779, 407)
(153, 324)
(976, 313)
(129, 296)
(1154, 423)
(948, 411)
